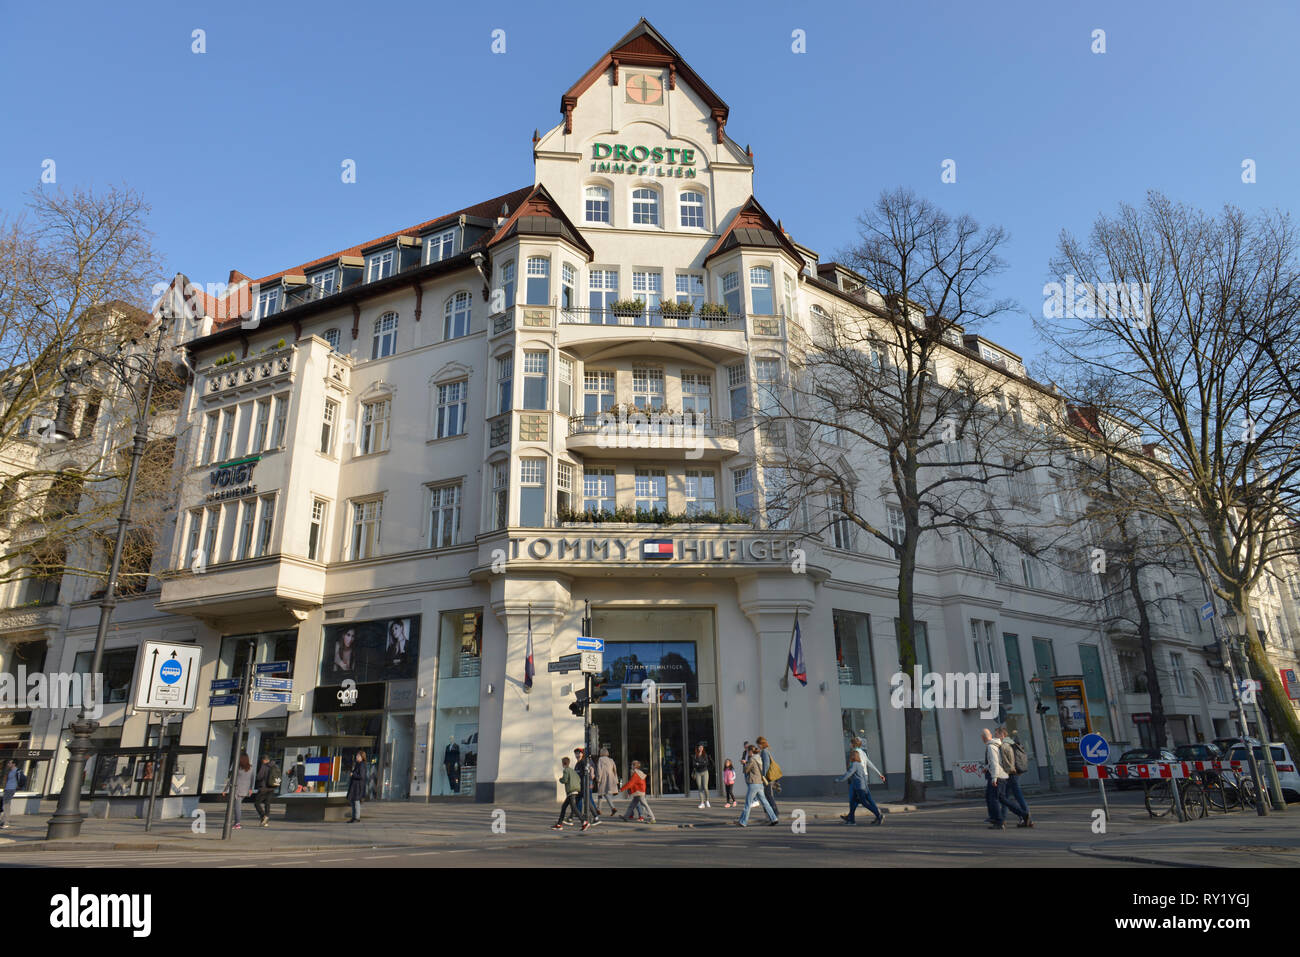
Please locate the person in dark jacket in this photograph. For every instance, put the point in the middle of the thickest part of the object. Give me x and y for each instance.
(769, 787)
(701, 767)
(357, 785)
(263, 788)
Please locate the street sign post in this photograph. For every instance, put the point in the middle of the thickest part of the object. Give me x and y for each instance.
(565, 664)
(273, 667)
(168, 678)
(593, 663)
(272, 684)
(1207, 611)
(1095, 750)
(221, 700)
(279, 697)
(225, 684)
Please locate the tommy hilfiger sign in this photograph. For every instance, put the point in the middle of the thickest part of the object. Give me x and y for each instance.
(583, 548)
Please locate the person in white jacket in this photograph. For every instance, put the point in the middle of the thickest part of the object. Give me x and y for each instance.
(856, 775)
(995, 780)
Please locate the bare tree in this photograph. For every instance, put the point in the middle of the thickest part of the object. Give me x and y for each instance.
(1165, 310)
(885, 389)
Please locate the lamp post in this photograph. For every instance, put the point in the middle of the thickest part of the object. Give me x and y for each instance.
(138, 372)
(1036, 683)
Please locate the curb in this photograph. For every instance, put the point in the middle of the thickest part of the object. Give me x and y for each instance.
(1134, 859)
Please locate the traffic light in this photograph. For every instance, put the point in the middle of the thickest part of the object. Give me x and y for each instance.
(598, 683)
(580, 702)
(1214, 656)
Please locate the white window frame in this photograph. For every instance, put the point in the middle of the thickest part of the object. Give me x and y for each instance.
(686, 206)
(641, 214)
(452, 406)
(365, 528)
(319, 516)
(373, 434)
(601, 203)
(384, 343)
(380, 265)
(442, 243)
(457, 315)
(444, 514)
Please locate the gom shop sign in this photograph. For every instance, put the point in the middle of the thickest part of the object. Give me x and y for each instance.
(232, 479)
(349, 696)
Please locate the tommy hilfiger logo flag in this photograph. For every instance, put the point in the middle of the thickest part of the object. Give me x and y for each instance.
(529, 668)
(796, 663)
(656, 549)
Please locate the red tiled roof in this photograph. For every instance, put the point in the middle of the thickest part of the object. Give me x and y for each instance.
(751, 216)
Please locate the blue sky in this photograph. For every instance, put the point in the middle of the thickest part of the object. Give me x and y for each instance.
(239, 149)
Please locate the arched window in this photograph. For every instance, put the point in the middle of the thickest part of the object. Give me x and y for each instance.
(455, 322)
(332, 337)
(645, 206)
(692, 207)
(508, 282)
(385, 341)
(538, 273)
(597, 204)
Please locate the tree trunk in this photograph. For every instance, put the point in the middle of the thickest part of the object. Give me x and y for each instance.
(1158, 729)
(913, 789)
(1272, 696)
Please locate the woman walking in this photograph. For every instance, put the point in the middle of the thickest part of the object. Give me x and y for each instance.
(769, 777)
(243, 780)
(754, 779)
(357, 785)
(606, 781)
(701, 766)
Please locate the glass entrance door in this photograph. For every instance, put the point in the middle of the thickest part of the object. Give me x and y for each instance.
(654, 728)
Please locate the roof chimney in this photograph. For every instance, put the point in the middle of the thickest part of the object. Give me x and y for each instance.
(504, 214)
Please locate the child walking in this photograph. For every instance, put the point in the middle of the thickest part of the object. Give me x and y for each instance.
(729, 781)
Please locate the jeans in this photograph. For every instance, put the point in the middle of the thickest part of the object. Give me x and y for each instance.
(239, 803)
(609, 800)
(639, 807)
(356, 809)
(994, 792)
(700, 779)
(731, 793)
(570, 804)
(262, 802)
(1015, 798)
(770, 794)
(7, 808)
(756, 793)
(857, 796)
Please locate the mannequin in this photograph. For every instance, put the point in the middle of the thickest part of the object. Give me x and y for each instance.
(451, 762)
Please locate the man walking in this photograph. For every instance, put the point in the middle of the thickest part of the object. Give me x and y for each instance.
(1014, 757)
(568, 778)
(13, 781)
(586, 771)
(266, 782)
(859, 793)
(995, 780)
(754, 780)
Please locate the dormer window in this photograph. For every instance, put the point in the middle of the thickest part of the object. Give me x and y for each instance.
(440, 246)
(325, 283)
(268, 302)
(379, 266)
(597, 207)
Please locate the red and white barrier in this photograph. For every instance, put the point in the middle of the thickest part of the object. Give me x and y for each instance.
(1159, 769)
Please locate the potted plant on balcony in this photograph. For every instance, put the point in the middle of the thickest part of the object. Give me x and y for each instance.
(681, 311)
(713, 312)
(628, 308)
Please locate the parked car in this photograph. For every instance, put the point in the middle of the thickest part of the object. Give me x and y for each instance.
(1227, 744)
(1139, 756)
(1198, 752)
(1287, 774)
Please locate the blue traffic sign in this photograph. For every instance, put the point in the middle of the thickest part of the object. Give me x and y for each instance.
(590, 644)
(222, 684)
(1207, 611)
(281, 697)
(220, 700)
(171, 671)
(272, 684)
(1094, 748)
(273, 667)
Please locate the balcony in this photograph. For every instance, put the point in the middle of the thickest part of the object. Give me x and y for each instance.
(233, 377)
(719, 336)
(272, 586)
(665, 316)
(629, 434)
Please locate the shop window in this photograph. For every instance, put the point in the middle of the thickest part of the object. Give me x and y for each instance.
(931, 746)
(456, 727)
(118, 668)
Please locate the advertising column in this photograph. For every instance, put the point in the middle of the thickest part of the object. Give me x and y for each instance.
(1072, 706)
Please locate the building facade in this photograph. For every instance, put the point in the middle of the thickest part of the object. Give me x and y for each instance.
(398, 474)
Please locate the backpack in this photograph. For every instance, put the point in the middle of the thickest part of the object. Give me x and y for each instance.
(1007, 757)
(773, 771)
(22, 781)
(273, 776)
(1022, 757)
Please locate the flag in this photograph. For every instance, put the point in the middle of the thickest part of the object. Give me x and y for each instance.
(657, 549)
(529, 668)
(796, 664)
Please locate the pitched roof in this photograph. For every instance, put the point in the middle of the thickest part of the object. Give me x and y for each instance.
(752, 226)
(643, 45)
(540, 215)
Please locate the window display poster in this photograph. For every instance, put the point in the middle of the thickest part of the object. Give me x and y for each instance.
(663, 662)
(382, 649)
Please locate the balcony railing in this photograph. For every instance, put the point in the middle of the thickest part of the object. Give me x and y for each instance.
(664, 317)
(652, 422)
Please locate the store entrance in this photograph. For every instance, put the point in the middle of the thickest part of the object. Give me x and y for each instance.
(649, 725)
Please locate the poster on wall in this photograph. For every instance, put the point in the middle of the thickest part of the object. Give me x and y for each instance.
(383, 649)
(1072, 707)
(663, 662)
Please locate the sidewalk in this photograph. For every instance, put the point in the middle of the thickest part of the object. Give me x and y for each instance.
(1220, 840)
(381, 825)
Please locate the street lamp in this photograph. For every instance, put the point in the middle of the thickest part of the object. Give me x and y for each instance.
(138, 371)
(1036, 683)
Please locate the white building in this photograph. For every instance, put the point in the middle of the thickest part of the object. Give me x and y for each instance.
(380, 470)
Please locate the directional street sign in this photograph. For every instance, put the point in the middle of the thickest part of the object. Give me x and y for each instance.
(272, 684)
(272, 667)
(169, 677)
(281, 697)
(227, 684)
(220, 700)
(593, 663)
(586, 643)
(1207, 611)
(1094, 748)
(566, 663)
